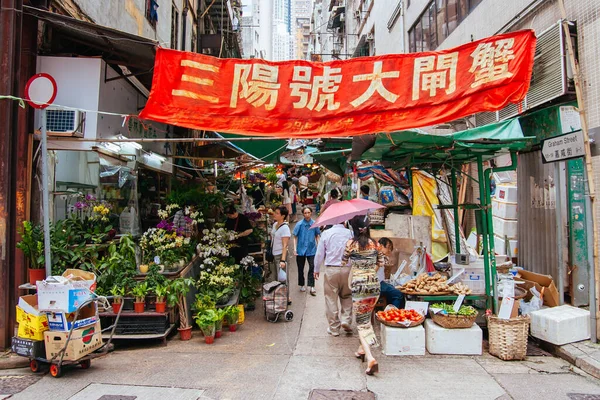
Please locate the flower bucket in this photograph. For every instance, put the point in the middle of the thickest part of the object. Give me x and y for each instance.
(185, 333)
(116, 307)
(139, 307)
(209, 333)
(36, 274)
(218, 329)
(161, 307)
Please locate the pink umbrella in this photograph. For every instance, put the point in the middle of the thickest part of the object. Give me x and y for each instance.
(345, 210)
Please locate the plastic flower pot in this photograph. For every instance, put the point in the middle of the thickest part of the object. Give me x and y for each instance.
(218, 329)
(37, 274)
(139, 307)
(116, 307)
(232, 320)
(232, 327)
(161, 307)
(209, 333)
(185, 333)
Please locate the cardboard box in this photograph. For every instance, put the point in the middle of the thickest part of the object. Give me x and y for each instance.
(60, 321)
(26, 332)
(66, 293)
(83, 341)
(32, 322)
(543, 283)
(28, 348)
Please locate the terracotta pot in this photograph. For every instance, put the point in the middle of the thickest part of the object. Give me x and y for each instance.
(218, 334)
(232, 327)
(38, 274)
(161, 307)
(116, 307)
(209, 339)
(139, 307)
(185, 334)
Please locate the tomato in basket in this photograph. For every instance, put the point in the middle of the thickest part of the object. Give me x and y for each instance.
(396, 315)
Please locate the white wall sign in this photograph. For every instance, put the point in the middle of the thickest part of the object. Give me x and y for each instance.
(563, 147)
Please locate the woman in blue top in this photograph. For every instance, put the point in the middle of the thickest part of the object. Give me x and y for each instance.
(305, 245)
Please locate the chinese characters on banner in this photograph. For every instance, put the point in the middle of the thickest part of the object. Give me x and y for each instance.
(339, 98)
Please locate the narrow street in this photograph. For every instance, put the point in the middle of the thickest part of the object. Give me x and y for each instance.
(288, 360)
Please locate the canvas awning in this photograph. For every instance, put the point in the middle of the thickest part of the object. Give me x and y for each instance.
(335, 161)
(265, 150)
(414, 148)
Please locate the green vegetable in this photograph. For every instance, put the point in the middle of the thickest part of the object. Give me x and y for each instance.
(467, 311)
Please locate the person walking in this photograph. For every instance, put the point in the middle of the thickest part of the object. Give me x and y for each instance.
(305, 245)
(287, 198)
(294, 197)
(330, 251)
(280, 238)
(364, 256)
(303, 184)
(333, 198)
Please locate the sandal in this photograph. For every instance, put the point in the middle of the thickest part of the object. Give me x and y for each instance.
(373, 368)
(360, 356)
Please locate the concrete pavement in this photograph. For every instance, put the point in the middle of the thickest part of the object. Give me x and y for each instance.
(287, 360)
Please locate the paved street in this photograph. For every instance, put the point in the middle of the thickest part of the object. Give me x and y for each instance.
(288, 360)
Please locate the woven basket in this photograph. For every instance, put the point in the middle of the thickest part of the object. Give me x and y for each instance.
(508, 337)
(453, 321)
(397, 325)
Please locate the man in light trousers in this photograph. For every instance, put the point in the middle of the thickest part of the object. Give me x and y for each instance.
(329, 253)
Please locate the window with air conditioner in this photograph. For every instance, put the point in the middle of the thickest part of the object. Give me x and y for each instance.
(65, 122)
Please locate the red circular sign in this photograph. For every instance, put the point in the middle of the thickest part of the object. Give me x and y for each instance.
(40, 90)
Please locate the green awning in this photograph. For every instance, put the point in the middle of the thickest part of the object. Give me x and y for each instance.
(335, 161)
(414, 147)
(266, 150)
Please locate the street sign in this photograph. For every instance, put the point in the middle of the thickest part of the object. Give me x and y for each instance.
(563, 147)
(40, 90)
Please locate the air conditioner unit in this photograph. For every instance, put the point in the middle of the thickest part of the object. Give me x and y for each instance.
(370, 36)
(61, 122)
(357, 14)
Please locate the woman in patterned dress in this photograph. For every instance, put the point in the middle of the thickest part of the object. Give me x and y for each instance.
(365, 257)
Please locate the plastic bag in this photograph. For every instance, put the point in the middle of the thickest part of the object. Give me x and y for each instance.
(533, 305)
(281, 275)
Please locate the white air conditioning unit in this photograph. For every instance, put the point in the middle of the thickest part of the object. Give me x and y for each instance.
(61, 122)
(370, 36)
(357, 14)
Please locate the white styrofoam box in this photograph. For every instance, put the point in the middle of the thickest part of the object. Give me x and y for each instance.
(403, 341)
(440, 340)
(560, 325)
(504, 209)
(500, 246)
(506, 193)
(474, 275)
(505, 227)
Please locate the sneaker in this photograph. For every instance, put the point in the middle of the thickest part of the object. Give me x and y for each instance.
(302, 289)
(346, 327)
(313, 291)
(333, 333)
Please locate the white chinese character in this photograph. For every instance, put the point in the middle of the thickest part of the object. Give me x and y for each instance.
(428, 76)
(321, 90)
(376, 84)
(260, 90)
(490, 61)
(197, 80)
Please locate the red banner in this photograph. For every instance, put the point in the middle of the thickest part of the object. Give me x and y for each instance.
(339, 98)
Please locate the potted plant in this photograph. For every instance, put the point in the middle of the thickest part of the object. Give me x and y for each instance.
(32, 246)
(232, 313)
(139, 292)
(178, 289)
(117, 293)
(206, 321)
(221, 312)
(161, 291)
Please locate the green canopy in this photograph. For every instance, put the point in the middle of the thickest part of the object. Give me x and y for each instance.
(265, 150)
(335, 161)
(414, 148)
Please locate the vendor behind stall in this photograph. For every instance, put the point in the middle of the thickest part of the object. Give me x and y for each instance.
(241, 225)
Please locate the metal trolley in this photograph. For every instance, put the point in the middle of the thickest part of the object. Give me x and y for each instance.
(57, 362)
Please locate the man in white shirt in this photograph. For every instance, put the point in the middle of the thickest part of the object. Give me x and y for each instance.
(303, 184)
(329, 253)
